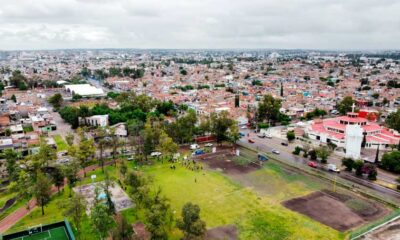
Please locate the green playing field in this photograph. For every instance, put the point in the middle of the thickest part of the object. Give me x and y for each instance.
(55, 233)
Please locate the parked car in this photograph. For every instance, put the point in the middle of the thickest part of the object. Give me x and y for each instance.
(333, 168)
(243, 127)
(312, 164)
(198, 152)
(155, 154)
(268, 135)
(208, 145)
(242, 134)
(251, 140)
(261, 135)
(274, 151)
(284, 144)
(194, 146)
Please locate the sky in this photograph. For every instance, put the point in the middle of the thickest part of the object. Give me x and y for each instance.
(184, 24)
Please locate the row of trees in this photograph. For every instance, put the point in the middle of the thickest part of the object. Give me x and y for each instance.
(360, 167)
(322, 153)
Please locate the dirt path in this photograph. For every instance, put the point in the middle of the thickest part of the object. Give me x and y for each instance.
(21, 212)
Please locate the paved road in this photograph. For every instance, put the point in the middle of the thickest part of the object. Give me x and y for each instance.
(267, 145)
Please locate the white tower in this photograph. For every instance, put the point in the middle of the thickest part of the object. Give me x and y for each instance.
(353, 138)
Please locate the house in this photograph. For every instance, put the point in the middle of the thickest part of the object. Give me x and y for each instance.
(96, 120)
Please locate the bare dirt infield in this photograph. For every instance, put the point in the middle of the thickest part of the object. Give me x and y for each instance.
(333, 209)
(222, 161)
(228, 232)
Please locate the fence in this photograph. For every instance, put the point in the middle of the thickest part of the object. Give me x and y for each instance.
(356, 234)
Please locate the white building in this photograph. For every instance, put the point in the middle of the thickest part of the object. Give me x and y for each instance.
(354, 137)
(85, 90)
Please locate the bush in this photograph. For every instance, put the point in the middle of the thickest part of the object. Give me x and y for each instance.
(358, 166)
(263, 125)
(297, 150)
(348, 163)
(290, 136)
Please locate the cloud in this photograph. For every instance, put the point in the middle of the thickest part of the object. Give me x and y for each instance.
(327, 24)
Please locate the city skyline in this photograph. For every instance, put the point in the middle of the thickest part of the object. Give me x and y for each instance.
(311, 24)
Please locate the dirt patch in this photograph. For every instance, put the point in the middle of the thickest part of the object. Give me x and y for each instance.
(325, 209)
(8, 204)
(228, 232)
(339, 211)
(140, 231)
(368, 210)
(223, 161)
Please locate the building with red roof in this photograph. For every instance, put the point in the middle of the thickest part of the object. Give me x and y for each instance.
(333, 130)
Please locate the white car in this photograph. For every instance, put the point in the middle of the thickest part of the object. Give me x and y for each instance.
(208, 145)
(274, 151)
(194, 146)
(243, 127)
(155, 154)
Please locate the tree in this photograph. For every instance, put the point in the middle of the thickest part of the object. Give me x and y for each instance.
(166, 145)
(191, 224)
(220, 124)
(391, 161)
(123, 230)
(297, 150)
(101, 220)
(268, 109)
(70, 171)
(102, 143)
(159, 217)
(138, 187)
(70, 138)
(233, 134)
(393, 120)
(358, 166)
(11, 157)
(84, 151)
(58, 177)
(75, 209)
(377, 155)
(42, 190)
(290, 136)
(323, 153)
(14, 98)
(348, 163)
(345, 105)
(56, 100)
(115, 143)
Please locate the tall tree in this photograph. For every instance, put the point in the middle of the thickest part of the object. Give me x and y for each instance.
(70, 171)
(123, 230)
(102, 143)
(42, 190)
(220, 124)
(191, 224)
(56, 101)
(159, 217)
(75, 209)
(393, 120)
(166, 145)
(268, 109)
(101, 220)
(11, 157)
(345, 105)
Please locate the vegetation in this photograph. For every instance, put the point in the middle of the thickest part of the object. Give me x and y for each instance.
(290, 136)
(56, 101)
(393, 120)
(191, 224)
(391, 161)
(345, 105)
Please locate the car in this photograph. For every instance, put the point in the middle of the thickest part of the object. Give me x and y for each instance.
(261, 135)
(208, 145)
(155, 154)
(284, 144)
(242, 134)
(130, 158)
(274, 151)
(268, 136)
(243, 127)
(333, 168)
(194, 146)
(312, 164)
(251, 140)
(198, 152)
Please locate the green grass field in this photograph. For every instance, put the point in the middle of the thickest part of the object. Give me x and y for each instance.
(223, 200)
(61, 144)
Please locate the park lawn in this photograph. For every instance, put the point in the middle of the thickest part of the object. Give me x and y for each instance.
(19, 203)
(61, 144)
(279, 184)
(223, 202)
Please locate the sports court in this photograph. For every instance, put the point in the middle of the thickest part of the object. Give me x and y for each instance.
(58, 231)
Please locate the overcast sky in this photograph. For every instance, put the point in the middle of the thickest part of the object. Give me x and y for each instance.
(311, 24)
